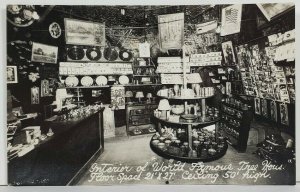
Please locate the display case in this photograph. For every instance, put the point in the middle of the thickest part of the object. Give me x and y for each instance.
(138, 118)
(236, 118)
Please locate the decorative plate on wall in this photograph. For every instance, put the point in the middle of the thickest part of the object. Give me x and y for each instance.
(123, 80)
(110, 54)
(87, 81)
(125, 55)
(93, 53)
(101, 80)
(71, 81)
(76, 53)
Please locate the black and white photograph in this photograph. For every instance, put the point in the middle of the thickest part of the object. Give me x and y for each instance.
(11, 74)
(80, 32)
(114, 95)
(44, 53)
(228, 53)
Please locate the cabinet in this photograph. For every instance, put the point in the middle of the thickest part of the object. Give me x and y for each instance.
(138, 118)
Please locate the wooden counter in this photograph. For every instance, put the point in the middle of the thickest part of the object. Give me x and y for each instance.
(63, 157)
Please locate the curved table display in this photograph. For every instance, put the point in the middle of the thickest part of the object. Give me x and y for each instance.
(190, 158)
(165, 152)
(187, 122)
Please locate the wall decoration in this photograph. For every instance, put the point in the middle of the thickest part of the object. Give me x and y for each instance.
(144, 49)
(273, 110)
(118, 97)
(35, 95)
(45, 89)
(171, 30)
(228, 53)
(284, 114)
(231, 19)
(257, 108)
(271, 10)
(44, 53)
(33, 77)
(80, 32)
(55, 30)
(206, 27)
(22, 15)
(11, 74)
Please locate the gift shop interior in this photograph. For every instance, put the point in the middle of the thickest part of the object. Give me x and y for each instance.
(129, 84)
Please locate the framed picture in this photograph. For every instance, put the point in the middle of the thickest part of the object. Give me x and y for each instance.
(257, 106)
(11, 74)
(284, 114)
(273, 111)
(228, 53)
(171, 30)
(271, 10)
(79, 32)
(35, 95)
(45, 89)
(44, 53)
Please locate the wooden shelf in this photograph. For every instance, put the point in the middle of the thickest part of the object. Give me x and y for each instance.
(80, 61)
(185, 122)
(106, 86)
(156, 75)
(185, 98)
(136, 66)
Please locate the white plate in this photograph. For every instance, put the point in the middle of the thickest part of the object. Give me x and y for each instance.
(86, 81)
(123, 80)
(71, 81)
(101, 80)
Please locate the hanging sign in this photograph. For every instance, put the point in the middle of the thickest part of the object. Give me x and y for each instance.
(231, 19)
(171, 30)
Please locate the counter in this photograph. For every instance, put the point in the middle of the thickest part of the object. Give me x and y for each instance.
(62, 158)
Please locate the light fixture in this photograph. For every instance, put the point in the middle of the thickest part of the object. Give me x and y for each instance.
(165, 108)
(139, 95)
(149, 96)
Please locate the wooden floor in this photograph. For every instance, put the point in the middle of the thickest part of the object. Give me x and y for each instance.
(135, 151)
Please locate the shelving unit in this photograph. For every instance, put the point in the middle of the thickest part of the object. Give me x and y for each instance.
(144, 73)
(198, 119)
